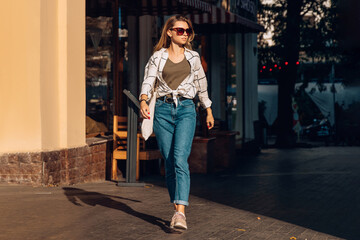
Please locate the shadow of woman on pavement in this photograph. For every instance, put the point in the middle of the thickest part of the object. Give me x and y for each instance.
(77, 195)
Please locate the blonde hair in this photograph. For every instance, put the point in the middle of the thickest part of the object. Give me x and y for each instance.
(165, 40)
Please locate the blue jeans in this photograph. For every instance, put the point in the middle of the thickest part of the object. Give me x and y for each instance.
(174, 128)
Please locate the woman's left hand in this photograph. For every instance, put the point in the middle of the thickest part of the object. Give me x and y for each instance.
(209, 118)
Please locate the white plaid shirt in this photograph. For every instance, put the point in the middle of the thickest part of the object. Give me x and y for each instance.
(194, 83)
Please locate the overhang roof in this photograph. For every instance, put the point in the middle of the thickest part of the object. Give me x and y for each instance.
(201, 13)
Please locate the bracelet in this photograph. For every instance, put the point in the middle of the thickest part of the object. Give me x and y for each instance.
(143, 100)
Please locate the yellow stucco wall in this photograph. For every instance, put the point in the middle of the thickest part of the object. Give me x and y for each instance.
(42, 75)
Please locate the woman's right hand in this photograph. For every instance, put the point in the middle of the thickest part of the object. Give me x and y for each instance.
(144, 110)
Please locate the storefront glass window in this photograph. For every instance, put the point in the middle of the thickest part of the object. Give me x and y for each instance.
(106, 65)
(99, 67)
(231, 98)
(122, 66)
(201, 44)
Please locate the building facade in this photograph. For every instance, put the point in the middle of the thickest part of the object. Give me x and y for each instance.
(66, 64)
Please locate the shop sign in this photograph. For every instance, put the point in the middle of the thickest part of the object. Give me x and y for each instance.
(203, 6)
(245, 8)
(247, 5)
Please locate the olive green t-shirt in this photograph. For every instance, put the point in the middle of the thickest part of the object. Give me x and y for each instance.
(174, 73)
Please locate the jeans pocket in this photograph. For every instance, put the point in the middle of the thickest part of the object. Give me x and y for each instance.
(187, 103)
(158, 103)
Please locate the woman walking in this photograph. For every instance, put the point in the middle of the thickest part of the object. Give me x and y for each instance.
(180, 77)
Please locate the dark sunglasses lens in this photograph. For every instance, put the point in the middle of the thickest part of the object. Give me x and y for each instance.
(180, 31)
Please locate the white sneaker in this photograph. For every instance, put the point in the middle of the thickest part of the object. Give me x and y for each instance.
(173, 220)
(180, 221)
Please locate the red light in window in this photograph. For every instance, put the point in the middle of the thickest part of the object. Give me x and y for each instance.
(279, 68)
(286, 63)
(270, 69)
(297, 63)
(264, 67)
(275, 66)
(260, 70)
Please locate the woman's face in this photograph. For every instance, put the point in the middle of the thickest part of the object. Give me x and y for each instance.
(178, 32)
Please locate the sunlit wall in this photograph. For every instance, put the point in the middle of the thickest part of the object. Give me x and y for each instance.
(42, 72)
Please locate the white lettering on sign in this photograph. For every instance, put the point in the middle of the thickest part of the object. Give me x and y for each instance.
(197, 4)
(248, 5)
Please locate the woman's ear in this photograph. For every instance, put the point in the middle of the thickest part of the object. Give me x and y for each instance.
(169, 33)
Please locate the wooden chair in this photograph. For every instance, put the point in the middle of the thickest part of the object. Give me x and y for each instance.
(120, 144)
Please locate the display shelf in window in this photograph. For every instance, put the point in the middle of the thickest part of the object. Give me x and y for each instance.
(99, 70)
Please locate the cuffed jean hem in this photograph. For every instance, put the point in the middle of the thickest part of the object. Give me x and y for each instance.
(181, 202)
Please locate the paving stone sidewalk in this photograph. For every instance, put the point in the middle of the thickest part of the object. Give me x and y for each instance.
(264, 198)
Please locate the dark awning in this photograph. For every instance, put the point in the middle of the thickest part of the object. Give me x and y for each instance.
(221, 19)
(166, 7)
(204, 15)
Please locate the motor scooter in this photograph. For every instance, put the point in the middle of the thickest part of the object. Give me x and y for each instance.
(320, 129)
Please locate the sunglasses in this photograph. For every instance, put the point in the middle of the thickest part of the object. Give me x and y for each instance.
(181, 31)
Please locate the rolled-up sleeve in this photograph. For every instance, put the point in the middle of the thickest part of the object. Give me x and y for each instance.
(201, 84)
(150, 75)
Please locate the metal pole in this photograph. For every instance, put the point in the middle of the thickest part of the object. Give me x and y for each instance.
(243, 86)
(133, 109)
(132, 122)
(332, 76)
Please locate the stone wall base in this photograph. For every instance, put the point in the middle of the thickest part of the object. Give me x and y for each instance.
(60, 167)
